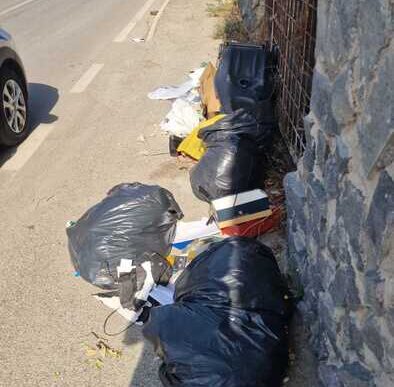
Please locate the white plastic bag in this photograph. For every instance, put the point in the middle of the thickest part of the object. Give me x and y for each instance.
(181, 119)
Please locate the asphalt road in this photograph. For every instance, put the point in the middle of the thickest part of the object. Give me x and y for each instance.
(88, 86)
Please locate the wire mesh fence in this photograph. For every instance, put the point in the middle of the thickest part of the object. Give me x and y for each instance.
(291, 27)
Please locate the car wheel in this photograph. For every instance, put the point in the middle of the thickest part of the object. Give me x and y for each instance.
(14, 114)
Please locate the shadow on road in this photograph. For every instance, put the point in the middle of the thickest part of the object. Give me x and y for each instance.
(42, 99)
(146, 372)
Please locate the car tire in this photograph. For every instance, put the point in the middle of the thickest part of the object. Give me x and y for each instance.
(14, 133)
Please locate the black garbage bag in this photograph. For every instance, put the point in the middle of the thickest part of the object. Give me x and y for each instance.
(232, 162)
(135, 221)
(228, 325)
(245, 79)
(240, 123)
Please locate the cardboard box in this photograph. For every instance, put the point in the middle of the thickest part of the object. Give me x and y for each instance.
(210, 102)
(240, 208)
(256, 227)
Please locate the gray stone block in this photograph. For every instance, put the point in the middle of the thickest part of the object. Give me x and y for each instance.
(317, 204)
(380, 220)
(374, 20)
(331, 177)
(341, 103)
(342, 156)
(372, 337)
(321, 103)
(355, 375)
(337, 21)
(351, 208)
(343, 289)
(328, 376)
(375, 131)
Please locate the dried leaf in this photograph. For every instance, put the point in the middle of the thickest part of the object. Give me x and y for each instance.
(99, 364)
(115, 353)
(107, 351)
(103, 351)
(90, 352)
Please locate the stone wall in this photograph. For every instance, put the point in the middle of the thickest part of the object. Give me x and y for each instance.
(341, 198)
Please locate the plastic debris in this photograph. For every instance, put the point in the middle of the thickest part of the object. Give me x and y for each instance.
(173, 92)
(113, 302)
(187, 232)
(181, 119)
(192, 145)
(164, 295)
(245, 79)
(173, 144)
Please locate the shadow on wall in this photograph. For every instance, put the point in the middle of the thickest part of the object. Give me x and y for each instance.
(42, 99)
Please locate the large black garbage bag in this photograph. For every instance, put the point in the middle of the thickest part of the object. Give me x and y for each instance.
(135, 221)
(232, 162)
(228, 325)
(245, 79)
(227, 167)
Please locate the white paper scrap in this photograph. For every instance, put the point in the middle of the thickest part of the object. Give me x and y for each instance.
(114, 304)
(125, 266)
(173, 92)
(187, 231)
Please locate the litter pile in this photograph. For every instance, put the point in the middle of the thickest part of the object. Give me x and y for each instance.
(211, 297)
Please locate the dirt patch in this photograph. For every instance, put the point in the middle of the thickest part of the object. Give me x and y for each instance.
(229, 25)
(170, 169)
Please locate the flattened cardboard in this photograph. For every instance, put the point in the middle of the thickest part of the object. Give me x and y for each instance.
(210, 102)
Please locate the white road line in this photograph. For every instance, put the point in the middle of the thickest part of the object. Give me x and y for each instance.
(27, 149)
(153, 27)
(122, 36)
(15, 7)
(87, 78)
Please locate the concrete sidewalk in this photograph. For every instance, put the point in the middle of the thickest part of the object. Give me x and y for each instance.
(46, 314)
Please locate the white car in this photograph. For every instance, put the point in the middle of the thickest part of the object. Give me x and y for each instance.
(14, 113)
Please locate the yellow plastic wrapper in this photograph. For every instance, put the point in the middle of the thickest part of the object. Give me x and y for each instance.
(193, 146)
